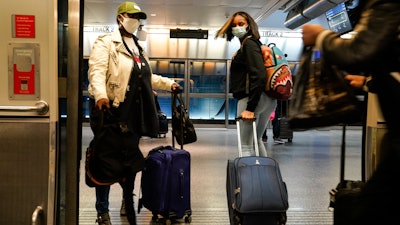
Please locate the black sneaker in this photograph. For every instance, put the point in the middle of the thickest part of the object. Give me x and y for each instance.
(103, 219)
(265, 139)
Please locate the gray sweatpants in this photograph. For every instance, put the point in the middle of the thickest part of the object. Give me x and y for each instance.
(262, 112)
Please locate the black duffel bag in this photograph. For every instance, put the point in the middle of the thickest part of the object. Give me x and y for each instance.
(112, 155)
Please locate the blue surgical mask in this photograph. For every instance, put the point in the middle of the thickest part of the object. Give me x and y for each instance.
(239, 31)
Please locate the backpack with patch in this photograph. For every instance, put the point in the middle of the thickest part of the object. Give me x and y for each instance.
(279, 83)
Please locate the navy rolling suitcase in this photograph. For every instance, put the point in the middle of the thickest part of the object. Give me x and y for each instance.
(256, 193)
(165, 184)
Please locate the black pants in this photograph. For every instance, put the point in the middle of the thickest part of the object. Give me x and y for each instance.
(275, 126)
(128, 186)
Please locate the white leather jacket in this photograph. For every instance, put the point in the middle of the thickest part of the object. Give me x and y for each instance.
(110, 66)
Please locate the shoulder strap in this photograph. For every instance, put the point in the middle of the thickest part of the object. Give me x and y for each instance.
(135, 39)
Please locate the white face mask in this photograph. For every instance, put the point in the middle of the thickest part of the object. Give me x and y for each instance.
(239, 31)
(130, 25)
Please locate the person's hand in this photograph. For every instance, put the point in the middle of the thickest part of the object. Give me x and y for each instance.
(247, 115)
(356, 81)
(103, 102)
(176, 88)
(310, 33)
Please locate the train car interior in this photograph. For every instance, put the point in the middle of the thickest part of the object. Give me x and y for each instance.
(45, 182)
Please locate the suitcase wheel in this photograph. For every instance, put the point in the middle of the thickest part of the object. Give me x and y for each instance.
(155, 220)
(188, 219)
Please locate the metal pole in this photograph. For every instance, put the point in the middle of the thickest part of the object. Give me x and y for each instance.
(74, 110)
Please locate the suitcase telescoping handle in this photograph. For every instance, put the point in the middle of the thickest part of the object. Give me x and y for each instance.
(254, 136)
(176, 96)
(343, 153)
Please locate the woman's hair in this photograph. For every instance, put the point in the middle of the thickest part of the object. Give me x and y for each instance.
(226, 29)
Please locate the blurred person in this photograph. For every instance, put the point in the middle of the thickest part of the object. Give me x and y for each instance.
(248, 79)
(374, 49)
(121, 80)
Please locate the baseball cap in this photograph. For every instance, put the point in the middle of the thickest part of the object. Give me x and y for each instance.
(131, 8)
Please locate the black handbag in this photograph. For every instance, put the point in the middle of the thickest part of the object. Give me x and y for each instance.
(321, 96)
(111, 155)
(182, 128)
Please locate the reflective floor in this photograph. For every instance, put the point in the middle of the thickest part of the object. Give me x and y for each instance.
(309, 166)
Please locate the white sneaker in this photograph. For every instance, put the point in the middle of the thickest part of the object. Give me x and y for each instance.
(278, 141)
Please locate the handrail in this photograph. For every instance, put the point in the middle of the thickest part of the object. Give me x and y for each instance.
(41, 107)
(35, 215)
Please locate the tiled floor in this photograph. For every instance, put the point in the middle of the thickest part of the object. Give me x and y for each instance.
(309, 166)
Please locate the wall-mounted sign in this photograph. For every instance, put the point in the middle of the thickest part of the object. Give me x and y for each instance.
(100, 28)
(24, 72)
(23, 26)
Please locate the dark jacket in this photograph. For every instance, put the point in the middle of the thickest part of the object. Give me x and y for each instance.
(248, 62)
(375, 49)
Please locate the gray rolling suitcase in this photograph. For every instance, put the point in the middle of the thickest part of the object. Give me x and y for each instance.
(284, 129)
(285, 132)
(256, 193)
